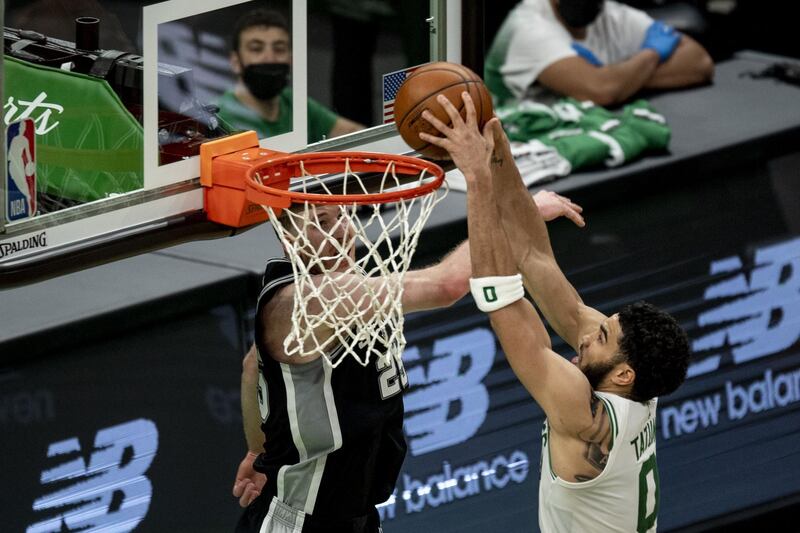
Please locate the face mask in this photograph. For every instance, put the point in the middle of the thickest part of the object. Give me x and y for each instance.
(266, 80)
(579, 13)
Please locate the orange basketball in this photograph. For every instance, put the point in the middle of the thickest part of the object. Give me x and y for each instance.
(419, 93)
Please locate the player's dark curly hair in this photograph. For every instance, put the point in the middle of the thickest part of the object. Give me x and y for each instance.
(268, 18)
(656, 347)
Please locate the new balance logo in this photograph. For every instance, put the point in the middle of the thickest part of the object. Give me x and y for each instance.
(451, 404)
(111, 493)
(757, 315)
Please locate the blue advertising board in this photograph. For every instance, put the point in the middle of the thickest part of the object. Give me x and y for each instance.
(142, 431)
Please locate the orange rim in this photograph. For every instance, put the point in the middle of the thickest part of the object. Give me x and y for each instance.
(317, 163)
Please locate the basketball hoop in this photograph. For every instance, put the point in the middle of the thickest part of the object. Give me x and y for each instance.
(381, 203)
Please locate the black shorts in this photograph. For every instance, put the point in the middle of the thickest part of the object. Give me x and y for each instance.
(285, 519)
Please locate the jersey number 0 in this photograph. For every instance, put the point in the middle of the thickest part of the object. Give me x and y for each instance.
(649, 470)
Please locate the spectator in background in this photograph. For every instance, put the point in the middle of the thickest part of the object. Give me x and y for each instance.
(594, 50)
(261, 57)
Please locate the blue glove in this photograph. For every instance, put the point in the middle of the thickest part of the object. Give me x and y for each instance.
(662, 38)
(587, 55)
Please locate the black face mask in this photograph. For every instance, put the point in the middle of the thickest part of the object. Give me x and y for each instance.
(579, 13)
(266, 80)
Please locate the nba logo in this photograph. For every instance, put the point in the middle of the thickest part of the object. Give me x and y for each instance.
(20, 170)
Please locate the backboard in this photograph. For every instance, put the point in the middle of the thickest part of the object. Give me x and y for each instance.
(106, 104)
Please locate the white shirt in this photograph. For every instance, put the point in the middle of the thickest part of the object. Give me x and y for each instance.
(532, 38)
(624, 497)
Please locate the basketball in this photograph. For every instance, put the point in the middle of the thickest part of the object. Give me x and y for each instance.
(419, 93)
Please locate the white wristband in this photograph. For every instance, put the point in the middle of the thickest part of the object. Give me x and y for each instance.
(495, 292)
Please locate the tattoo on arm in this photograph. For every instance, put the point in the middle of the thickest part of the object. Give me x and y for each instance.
(593, 403)
(497, 160)
(598, 440)
(596, 456)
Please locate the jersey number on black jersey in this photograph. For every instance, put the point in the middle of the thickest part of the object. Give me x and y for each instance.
(392, 377)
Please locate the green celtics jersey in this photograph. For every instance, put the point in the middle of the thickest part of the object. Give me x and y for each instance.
(320, 119)
(624, 497)
(586, 134)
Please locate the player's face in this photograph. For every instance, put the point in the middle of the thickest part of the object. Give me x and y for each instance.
(331, 225)
(598, 352)
(261, 44)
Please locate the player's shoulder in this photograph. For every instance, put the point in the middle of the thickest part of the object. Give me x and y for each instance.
(626, 415)
(614, 402)
(604, 419)
(277, 280)
(276, 270)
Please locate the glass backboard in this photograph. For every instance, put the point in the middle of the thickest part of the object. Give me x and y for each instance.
(106, 104)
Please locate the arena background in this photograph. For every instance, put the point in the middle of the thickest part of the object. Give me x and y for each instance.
(149, 391)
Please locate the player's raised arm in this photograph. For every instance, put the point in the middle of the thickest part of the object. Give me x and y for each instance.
(557, 385)
(523, 224)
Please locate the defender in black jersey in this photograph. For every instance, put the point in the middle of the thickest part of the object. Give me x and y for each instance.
(334, 437)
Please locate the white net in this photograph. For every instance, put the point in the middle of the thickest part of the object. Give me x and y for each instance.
(349, 262)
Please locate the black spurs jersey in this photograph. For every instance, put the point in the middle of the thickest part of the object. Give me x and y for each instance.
(334, 436)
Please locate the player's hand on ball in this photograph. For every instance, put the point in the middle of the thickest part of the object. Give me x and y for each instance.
(249, 483)
(469, 148)
(552, 206)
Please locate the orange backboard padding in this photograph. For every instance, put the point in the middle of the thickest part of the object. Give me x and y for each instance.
(211, 149)
(223, 170)
(228, 206)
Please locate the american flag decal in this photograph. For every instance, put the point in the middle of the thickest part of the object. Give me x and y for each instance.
(391, 84)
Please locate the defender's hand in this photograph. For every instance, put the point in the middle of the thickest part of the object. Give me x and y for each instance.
(552, 206)
(249, 483)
